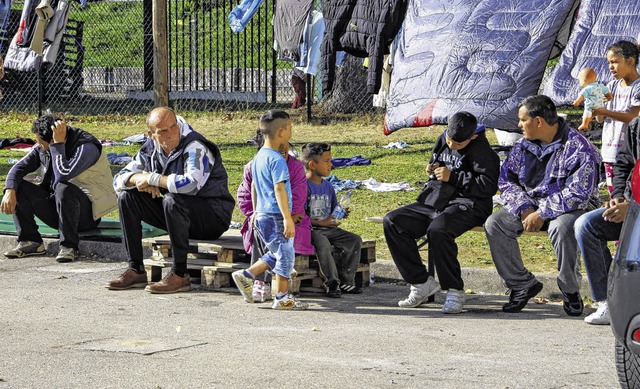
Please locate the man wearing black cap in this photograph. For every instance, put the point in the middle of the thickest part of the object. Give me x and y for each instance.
(463, 177)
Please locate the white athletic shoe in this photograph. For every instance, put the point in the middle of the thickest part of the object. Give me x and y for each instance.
(600, 316)
(420, 292)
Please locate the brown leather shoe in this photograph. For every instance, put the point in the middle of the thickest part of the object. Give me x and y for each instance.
(129, 279)
(172, 283)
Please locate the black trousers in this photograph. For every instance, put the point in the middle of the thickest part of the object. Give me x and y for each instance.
(406, 224)
(183, 217)
(67, 209)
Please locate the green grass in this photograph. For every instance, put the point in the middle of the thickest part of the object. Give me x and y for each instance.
(361, 135)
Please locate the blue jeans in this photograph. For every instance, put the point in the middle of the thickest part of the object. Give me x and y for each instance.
(593, 233)
(281, 254)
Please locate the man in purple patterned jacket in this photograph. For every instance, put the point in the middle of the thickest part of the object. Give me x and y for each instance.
(548, 180)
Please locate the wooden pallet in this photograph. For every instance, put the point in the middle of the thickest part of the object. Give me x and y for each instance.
(213, 261)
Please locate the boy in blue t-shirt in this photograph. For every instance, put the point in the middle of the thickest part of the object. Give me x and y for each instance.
(325, 234)
(272, 221)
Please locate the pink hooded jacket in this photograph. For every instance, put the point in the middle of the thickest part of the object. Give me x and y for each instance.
(302, 239)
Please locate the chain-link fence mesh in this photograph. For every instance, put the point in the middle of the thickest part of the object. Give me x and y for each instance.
(105, 63)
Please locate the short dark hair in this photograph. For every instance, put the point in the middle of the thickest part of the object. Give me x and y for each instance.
(269, 117)
(461, 126)
(542, 106)
(312, 151)
(42, 126)
(626, 49)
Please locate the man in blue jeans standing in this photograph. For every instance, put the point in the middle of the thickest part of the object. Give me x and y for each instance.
(596, 228)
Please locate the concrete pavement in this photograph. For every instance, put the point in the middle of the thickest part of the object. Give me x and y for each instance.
(59, 327)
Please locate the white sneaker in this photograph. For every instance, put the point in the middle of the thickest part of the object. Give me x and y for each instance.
(261, 291)
(454, 301)
(289, 302)
(600, 316)
(420, 292)
(244, 284)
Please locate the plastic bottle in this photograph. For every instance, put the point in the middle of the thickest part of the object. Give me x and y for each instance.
(341, 209)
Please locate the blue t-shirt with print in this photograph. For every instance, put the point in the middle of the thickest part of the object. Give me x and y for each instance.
(269, 168)
(321, 200)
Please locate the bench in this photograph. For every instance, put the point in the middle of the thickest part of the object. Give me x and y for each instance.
(211, 262)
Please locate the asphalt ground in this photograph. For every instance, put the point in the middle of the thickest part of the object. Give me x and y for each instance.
(61, 328)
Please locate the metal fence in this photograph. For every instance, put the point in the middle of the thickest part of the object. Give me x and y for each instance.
(105, 63)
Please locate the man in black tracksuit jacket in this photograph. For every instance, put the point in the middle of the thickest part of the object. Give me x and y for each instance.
(464, 177)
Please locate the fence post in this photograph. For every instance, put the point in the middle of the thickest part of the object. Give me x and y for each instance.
(147, 22)
(160, 65)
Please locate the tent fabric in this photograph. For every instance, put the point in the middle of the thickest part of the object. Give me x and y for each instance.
(478, 56)
(600, 23)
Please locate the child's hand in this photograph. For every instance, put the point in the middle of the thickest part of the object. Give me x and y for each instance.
(328, 222)
(442, 174)
(289, 228)
(297, 217)
(431, 167)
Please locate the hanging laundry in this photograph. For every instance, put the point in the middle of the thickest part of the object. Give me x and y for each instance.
(242, 14)
(361, 28)
(380, 99)
(311, 41)
(44, 13)
(5, 14)
(55, 30)
(288, 26)
(20, 55)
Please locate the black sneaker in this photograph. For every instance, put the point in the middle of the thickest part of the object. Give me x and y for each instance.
(333, 290)
(572, 303)
(350, 289)
(519, 298)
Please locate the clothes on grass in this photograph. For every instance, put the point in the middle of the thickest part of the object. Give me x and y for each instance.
(16, 143)
(374, 185)
(119, 159)
(357, 160)
(339, 184)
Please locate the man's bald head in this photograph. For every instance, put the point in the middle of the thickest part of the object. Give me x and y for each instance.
(159, 114)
